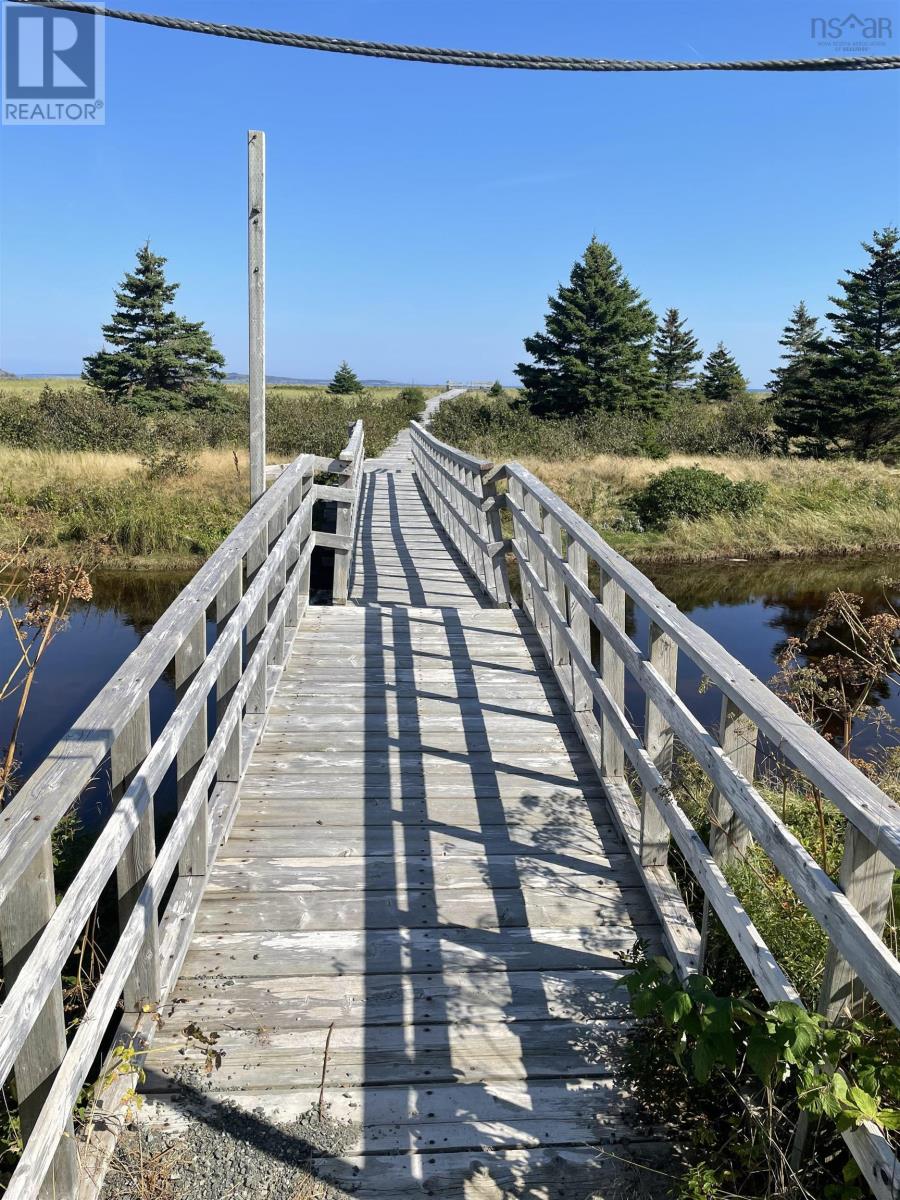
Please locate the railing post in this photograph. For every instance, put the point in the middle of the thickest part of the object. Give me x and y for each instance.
(23, 917)
(306, 528)
(277, 525)
(536, 558)
(613, 672)
(729, 837)
(516, 506)
(341, 556)
(129, 750)
(227, 600)
(580, 624)
(493, 531)
(188, 660)
(867, 879)
(557, 589)
(292, 618)
(256, 555)
(659, 743)
(475, 559)
(344, 527)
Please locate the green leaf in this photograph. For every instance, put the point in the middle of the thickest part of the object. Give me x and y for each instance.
(866, 1104)
(676, 1006)
(703, 1060)
(889, 1118)
(762, 1055)
(643, 1004)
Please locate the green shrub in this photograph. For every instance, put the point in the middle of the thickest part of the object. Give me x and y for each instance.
(504, 427)
(309, 421)
(691, 493)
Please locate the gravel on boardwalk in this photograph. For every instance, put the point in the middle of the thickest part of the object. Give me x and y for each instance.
(231, 1155)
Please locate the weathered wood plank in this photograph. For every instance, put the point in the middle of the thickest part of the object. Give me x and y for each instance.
(422, 908)
(469, 811)
(583, 875)
(567, 840)
(459, 1053)
(314, 1002)
(23, 917)
(188, 661)
(129, 750)
(377, 952)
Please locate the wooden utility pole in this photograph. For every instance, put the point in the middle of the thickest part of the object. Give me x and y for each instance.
(256, 273)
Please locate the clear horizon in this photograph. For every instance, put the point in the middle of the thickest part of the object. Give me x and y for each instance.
(419, 216)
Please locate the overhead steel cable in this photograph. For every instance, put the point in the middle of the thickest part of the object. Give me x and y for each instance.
(468, 58)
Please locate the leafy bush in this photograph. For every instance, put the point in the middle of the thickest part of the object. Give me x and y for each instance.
(504, 427)
(690, 493)
(731, 1076)
(308, 421)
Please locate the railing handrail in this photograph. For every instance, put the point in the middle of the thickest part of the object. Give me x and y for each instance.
(28, 820)
(459, 456)
(852, 792)
(463, 492)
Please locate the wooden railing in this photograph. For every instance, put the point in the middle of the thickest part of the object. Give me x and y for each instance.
(462, 491)
(558, 554)
(349, 464)
(255, 588)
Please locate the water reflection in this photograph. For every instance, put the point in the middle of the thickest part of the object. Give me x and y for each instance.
(752, 609)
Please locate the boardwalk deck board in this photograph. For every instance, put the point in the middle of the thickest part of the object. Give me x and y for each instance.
(424, 857)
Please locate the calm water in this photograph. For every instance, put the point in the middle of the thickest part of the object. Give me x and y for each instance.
(750, 608)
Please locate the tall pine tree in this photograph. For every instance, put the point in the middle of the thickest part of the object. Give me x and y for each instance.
(722, 379)
(804, 412)
(345, 381)
(675, 350)
(595, 350)
(160, 360)
(864, 353)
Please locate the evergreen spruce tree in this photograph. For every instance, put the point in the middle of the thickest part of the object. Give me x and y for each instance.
(864, 353)
(160, 360)
(800, 387)
(345, 381)
(675, 350)
(595, 350)
(722, 379)
(496, 388)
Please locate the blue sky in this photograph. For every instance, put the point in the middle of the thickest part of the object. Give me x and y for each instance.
(419, 215)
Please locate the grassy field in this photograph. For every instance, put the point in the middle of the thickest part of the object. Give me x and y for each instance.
(86, 479)
(106, 509)
(810, 508)
(32, 388)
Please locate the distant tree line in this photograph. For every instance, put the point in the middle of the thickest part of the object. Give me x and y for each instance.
(602, 349)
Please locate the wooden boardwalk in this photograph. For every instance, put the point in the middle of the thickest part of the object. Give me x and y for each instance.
(414, 834)
(422, 857)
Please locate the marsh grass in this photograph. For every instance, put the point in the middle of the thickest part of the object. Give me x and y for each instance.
(809, 508)
(108, 508)
(82, 478)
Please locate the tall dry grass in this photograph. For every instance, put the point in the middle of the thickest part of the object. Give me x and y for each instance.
(810, 508)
